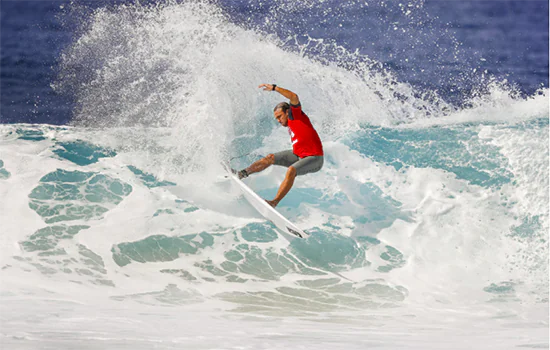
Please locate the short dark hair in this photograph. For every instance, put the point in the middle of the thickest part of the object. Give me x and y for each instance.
(284, 106)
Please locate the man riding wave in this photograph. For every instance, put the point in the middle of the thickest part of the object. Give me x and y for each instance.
(306, 155)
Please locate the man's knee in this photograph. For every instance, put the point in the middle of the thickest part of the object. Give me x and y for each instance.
(291, 172)
(270, 158)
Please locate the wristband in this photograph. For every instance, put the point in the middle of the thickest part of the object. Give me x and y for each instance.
(274, 86)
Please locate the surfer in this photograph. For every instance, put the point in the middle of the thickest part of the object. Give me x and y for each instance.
(306, 155)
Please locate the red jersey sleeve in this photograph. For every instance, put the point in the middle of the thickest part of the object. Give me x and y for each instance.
(296, 112)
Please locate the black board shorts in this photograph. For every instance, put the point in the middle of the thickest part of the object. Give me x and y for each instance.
(303, 166)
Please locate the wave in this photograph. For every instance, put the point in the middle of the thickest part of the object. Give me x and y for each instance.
(420, 201)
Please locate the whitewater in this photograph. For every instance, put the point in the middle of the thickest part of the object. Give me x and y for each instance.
(120, 231)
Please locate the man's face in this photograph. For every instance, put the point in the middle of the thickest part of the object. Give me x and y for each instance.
(281, 116)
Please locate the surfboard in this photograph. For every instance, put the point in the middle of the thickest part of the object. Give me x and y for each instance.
(266, 210)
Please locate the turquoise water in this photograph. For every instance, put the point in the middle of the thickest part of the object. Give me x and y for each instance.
(357, 227)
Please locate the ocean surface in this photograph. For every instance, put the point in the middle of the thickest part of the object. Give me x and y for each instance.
(429, 221)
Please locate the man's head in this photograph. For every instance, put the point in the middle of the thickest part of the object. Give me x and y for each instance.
(281, 113)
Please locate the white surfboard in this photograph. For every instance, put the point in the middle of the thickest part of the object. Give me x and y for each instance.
(265, 209)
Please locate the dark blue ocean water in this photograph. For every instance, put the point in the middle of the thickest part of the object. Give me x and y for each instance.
(452, 47)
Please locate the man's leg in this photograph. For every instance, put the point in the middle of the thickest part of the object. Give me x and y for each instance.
(255, 167)
(303, 166)
(261, 164)
(284, 158)
(286, 185)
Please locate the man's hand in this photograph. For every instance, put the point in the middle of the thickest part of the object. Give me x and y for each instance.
(266, 87)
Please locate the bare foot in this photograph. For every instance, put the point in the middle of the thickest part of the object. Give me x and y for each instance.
(273, 203)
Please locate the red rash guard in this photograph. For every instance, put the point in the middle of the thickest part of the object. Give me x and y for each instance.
(305, 140)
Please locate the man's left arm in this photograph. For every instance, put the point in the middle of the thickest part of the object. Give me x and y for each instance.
(294, 100)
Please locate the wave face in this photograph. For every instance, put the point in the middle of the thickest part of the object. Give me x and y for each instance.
(426, 207)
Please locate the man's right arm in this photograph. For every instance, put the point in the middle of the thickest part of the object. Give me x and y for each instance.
(294, 100)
